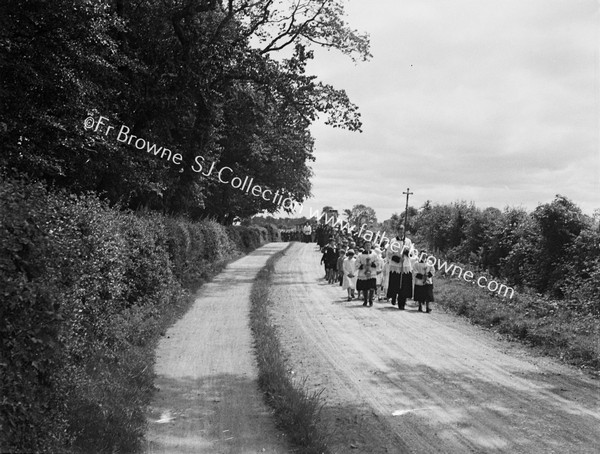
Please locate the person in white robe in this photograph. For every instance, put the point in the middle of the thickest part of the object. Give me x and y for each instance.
(350, 274)
(400, 264)
(367, 266)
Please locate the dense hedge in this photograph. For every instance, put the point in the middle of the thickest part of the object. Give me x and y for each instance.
(554, 250)
(85, 291)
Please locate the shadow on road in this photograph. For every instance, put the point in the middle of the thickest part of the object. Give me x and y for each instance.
(205, 416)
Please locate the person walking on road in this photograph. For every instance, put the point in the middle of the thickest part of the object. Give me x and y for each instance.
(329, 259)
(400, 285)
(349, 268)
(424, 272)
(307, 233)
(367, 270)
(340, 265)
(379, 271)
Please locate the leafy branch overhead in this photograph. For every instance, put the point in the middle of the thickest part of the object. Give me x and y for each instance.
(198, 77)
(276, 25)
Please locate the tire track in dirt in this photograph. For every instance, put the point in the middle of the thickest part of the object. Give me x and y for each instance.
(208, 399)
(453, 387)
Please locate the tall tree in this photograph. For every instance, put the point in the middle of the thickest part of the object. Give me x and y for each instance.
(194, 76)
(244, 109)
(560, 223)
(391, 225)
(361, 214)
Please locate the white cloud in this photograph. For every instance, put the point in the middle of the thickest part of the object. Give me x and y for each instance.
(494, 102)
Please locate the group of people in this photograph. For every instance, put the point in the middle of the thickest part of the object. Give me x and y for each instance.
(389, 270)
(308, 234)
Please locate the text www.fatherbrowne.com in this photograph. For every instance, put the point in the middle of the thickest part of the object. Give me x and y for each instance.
(395, 246)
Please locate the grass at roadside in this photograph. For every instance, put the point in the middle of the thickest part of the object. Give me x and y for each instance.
(297, 411)
(553, 327)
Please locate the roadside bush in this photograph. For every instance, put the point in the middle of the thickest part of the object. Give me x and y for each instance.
(198, 249)
(248, 238)
(31, 411)
(554, 326)
(273, 233)
(86, 290)
(86, 286)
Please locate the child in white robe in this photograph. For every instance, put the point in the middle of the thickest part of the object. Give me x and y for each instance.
(350, 274)
(367, 281)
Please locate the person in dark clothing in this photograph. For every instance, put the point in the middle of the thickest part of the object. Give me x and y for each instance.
(400, 283)
(340, 265)
(329, 259)
(423, 292)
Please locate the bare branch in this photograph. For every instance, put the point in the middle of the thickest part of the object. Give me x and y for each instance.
(286, 32)
(271, 47)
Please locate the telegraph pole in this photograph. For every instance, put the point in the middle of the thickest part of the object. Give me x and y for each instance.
(408, 193)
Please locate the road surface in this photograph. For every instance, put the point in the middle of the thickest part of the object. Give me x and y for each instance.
(403, 381)
(208, 399)
(394, 381)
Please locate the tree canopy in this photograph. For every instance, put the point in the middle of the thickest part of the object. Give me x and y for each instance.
(360, 214)
(198, 77)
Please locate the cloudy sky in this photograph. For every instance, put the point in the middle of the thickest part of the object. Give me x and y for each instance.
(490, 101)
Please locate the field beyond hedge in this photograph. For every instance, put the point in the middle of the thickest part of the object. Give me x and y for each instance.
(86, 291)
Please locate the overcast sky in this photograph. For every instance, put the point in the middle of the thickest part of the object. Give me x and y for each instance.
(490, 101)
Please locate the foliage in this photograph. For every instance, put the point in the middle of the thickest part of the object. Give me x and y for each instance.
(196, 76)
(360, 214)
(86, 290)
(279, 223)
(566, 331)
(31, 412)
(581, 283)
(554, 250)
(392, 224)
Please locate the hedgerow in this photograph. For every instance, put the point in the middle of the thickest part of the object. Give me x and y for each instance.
(86, 291)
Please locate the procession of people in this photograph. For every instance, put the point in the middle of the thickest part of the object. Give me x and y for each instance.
(386, 271)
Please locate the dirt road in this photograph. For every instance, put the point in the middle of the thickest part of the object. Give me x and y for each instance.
(403, 381)
(209, 400)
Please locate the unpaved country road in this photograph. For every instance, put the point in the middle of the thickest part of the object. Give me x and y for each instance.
(209, 400)
(403, 381)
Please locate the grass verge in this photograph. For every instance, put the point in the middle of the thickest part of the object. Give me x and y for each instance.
(552, 327)
(297, 410)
